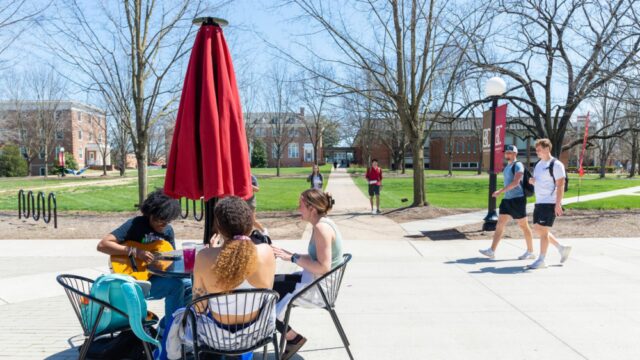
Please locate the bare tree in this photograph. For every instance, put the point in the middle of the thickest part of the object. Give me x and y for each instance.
(359, 117)
(99, 132)
(314, 93)
(631, 120)
(120, 143)
(609, 105)
(15, 18)
(558, 54)
(393, 137)
(157, 138)
(281, 119)
(48, 89)
(19, 120)
(131, 59)
(249, 88)
(408, 46)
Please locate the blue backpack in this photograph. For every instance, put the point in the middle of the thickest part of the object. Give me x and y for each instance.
(121, 292)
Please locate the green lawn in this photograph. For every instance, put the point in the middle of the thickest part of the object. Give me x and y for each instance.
(460, 191)
(275, 193)
(357, 171)
(465, 192)
(626, 202)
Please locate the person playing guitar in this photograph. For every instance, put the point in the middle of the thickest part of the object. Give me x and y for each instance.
(133, 244)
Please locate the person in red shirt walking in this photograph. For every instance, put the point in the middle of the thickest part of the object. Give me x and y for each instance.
(374, 177)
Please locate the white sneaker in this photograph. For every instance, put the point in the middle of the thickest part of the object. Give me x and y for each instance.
(527, 256)
(373, 212)
(564, 253)
(488, 253)
(538, 264)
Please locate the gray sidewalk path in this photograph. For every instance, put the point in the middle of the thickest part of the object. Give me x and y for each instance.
(406, 299)
(453, 221)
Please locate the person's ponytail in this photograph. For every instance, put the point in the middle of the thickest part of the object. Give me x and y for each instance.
(236, 261)
(238, 258)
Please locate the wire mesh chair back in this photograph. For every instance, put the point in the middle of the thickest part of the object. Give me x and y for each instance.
(251, 313)
(78, 289)
(323, 292)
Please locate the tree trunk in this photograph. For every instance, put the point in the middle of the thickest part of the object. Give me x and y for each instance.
(142, 159)
(123, 162)
(634, 155)
(28, 167)
(278, 166)
(419, 194)
(46, 161)
(603, 163)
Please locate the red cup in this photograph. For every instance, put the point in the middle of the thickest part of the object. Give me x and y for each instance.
(189, 256)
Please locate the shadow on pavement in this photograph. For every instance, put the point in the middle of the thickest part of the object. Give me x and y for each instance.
(503, 270)
(71, 353)
(474, 260)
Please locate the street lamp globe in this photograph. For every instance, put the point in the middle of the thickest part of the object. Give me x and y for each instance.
(62, 149)
(495, 87)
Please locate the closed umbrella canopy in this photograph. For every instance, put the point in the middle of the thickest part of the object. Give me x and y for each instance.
(209, 154)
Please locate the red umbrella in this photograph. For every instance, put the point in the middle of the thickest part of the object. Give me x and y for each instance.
(209, 153)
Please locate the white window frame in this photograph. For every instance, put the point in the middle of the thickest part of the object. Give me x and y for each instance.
(308, 147)
(274, 151)
(293, 151)
(59, 135)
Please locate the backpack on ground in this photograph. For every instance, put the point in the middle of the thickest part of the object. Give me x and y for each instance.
(527, 188)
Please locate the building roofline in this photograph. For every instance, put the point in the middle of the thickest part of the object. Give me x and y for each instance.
(63, 105)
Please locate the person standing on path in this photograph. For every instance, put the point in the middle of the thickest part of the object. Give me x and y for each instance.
(513, 205)
(374, 177)
(548, 178)
(315, 178)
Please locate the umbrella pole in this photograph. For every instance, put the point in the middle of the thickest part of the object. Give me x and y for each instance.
(209, 205)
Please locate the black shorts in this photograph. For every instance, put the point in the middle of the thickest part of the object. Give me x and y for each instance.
(544, 214)
(516, 207)
(374, 189)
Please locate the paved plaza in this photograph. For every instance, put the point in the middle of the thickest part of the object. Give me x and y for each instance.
(402, 297)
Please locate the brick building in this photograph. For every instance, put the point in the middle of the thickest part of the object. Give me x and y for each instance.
(298, 150)
(79, 128)
(460, 143)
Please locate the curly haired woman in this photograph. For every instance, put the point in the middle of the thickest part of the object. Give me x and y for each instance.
(237, 264)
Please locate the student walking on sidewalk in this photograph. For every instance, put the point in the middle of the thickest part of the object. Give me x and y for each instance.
(374, 177)
(548, 178)
(513, 205)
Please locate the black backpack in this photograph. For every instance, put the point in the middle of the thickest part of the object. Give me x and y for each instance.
(526, 187)
(566, 178)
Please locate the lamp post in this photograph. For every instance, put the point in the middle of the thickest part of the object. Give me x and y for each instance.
(494, 89)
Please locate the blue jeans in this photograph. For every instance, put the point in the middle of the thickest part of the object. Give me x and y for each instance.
(175, 292)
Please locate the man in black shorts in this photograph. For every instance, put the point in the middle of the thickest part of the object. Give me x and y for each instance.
(549, 189)
(513, 205)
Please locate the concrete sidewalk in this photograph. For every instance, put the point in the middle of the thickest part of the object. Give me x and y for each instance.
(401, 299)
(453, 221)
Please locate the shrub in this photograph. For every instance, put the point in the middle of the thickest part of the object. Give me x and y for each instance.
(258, 154)
(12, 162)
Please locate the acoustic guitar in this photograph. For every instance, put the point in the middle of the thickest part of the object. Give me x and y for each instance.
(123, 264)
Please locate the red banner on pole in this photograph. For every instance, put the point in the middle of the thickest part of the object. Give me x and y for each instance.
(501, 129)
(584, 142)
